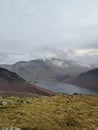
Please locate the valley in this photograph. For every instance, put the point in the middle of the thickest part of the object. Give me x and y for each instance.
(48, 64)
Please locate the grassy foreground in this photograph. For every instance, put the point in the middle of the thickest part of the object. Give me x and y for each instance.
(60, 112)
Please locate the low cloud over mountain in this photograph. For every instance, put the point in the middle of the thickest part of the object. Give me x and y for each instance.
(47, 69)
(84, 57)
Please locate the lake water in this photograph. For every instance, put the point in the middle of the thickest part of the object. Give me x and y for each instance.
(66, 88)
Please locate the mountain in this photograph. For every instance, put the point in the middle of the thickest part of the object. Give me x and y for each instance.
(12, 84)
(88, 79)
(51, 69)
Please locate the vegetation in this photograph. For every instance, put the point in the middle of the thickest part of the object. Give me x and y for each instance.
(59, 112)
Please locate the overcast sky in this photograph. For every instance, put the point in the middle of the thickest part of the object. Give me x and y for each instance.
(29, 25)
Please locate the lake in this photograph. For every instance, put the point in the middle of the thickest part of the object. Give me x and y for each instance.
(59, 87)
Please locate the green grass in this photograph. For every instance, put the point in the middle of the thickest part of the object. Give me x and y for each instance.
(60, 112)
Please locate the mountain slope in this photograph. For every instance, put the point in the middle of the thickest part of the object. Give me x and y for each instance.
(48, 69)
(11, 83)
(88, 79)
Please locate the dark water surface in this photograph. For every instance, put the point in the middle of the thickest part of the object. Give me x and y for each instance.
(66, 88)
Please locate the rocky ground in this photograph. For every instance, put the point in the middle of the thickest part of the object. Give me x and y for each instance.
(59, 112)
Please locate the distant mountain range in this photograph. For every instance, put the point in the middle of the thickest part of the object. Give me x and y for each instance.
(13, 85)
(52, 69)
(88, 79)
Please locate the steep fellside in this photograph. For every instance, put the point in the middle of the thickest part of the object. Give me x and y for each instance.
(12, 84)
(88, 79)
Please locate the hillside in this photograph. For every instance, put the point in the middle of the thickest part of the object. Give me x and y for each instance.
(60, 112)
(88, 79)
(46, 70)
(12, 84)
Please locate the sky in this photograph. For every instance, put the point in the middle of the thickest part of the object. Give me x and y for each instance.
(29, 27)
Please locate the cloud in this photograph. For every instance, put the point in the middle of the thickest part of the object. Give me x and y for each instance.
(68, 26)
(93, 45)
(11, 58)
(87, 52)
(30, 24)
(81, 57)
(3, 57)
(48, 52)
(88, 57)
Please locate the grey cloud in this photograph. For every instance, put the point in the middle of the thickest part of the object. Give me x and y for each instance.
(11, 58)
(92, 46)
(3, 57)
(29, 24)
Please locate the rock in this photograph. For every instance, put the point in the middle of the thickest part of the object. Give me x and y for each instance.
(5, 129)
(28, 101)
(12, 128)
(5, 102)
(24, 101)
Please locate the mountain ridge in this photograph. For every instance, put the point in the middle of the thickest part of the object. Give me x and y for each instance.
(88, 79)
(46, 70)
